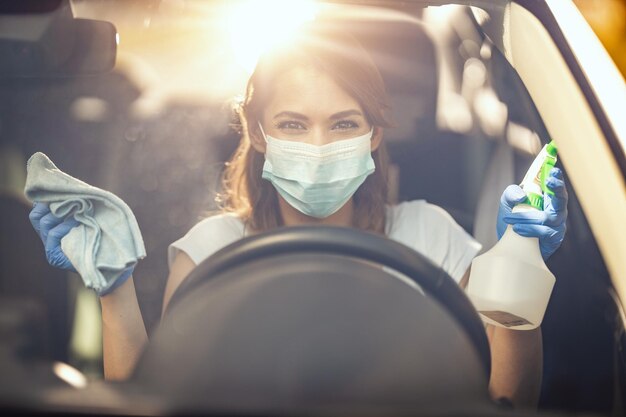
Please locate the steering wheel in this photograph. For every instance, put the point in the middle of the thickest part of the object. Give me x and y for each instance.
(346, 243)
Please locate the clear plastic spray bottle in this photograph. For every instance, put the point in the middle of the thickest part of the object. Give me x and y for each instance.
(510, 285)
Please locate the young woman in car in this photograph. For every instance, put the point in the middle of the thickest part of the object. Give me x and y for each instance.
(312, 152)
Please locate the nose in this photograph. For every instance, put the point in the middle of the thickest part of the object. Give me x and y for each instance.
(319, 137)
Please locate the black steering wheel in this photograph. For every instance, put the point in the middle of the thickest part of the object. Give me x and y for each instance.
(347, 243)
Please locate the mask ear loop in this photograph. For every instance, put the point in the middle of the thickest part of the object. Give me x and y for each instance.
(263, 132)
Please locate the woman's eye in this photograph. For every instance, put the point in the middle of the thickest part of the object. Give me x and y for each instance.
(345, 125)
(290, 125)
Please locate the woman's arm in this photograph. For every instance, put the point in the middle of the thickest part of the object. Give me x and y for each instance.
(181, 267)
(516, 365)
(123, 332)
(516, 362)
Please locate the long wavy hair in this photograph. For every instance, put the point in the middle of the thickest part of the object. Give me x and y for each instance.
(342, 57)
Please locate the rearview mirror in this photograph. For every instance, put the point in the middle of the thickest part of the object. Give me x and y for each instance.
(54, 44)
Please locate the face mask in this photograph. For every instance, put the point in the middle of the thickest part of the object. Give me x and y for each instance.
(317, 180)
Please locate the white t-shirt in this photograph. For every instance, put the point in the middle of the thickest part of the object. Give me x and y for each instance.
(424, 227)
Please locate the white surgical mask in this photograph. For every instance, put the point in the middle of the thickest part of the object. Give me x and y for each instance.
(317, 180)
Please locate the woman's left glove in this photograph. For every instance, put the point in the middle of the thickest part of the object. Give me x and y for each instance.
(547, 225)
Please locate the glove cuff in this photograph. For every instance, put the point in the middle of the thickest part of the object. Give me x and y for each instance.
(127, 273)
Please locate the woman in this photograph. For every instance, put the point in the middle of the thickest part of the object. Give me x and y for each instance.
(312, 152)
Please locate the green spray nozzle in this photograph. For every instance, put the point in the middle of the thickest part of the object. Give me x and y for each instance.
(534, 183)
(547, 166)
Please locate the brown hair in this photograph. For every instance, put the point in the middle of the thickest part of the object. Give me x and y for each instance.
(344, 59)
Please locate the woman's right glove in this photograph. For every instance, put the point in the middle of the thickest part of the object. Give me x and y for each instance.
(52, 230)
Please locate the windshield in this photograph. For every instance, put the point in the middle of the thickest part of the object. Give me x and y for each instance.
(162, 130)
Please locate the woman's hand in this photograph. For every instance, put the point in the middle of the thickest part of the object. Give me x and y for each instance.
(51, 230)
(548, 225)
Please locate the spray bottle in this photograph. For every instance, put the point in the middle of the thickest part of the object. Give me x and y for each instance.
(510, 285)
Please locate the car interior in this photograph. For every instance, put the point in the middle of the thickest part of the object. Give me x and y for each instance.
(464, 128)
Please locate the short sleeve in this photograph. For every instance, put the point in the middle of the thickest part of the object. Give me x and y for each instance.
(431, 231)
(207, 237)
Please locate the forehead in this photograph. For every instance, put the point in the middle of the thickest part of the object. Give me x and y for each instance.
(307, 89)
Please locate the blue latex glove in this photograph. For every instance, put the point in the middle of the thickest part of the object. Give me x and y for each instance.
(52, 230)
(547, 225)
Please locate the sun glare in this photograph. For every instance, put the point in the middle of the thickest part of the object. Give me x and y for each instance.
(256, 26)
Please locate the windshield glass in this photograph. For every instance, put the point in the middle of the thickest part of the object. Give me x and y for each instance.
(216, 107)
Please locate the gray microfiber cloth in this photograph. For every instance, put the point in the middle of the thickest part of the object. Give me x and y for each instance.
(107, 241)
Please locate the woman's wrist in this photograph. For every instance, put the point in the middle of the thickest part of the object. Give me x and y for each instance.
(121, 280)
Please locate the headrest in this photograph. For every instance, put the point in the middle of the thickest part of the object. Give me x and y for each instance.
(406, 58)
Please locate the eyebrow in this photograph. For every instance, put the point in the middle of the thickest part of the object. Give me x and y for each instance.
(291, 114)
(335, 116)
(346, 113)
